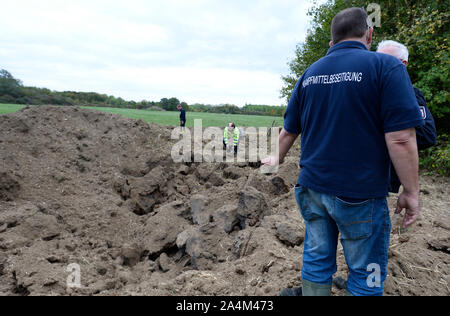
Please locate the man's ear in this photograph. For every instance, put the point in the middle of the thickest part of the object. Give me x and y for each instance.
(405, 62)
(331, 43)
(369, 37)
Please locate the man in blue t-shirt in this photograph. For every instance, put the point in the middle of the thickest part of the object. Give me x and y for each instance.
(356, 111)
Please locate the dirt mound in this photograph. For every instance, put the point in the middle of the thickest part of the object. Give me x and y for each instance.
(102, 192)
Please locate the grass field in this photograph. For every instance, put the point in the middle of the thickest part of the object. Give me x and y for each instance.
(172, 118)
(9, 108)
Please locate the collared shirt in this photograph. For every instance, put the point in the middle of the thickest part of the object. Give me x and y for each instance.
(343, 106)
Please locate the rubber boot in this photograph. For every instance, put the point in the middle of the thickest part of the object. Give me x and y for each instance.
(314, 289)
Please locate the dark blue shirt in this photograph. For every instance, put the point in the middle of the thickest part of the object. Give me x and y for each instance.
(182, 115)
(343, 106)
(426, 134)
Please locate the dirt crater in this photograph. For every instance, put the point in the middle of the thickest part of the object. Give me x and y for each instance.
(102, 192)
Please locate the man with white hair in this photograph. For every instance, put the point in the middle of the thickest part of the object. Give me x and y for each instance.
(395, 49)
(426, 134)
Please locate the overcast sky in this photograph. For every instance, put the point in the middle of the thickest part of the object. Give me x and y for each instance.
(200, 51)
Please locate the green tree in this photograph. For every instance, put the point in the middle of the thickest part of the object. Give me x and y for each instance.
(172, 104)
(10, 88)
(164, 103)
(185, 106)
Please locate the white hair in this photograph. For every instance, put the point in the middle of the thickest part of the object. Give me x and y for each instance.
(401, 51)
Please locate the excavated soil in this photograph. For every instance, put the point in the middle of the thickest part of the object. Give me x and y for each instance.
(102, 192)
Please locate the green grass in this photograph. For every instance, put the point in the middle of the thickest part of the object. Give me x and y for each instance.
(209, 119)
(10, 108)
(172, 118)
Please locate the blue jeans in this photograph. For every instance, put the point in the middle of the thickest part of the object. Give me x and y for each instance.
(364, 230)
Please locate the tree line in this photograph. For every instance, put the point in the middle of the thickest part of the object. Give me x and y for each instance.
(12, 91)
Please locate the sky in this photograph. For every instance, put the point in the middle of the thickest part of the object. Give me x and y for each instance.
(199, 51)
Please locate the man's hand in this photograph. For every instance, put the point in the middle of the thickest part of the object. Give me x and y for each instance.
(410, 202)
(270, 161)
(285, 142)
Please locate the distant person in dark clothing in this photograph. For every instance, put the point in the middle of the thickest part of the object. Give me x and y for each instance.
(182, 117)
(426, 134)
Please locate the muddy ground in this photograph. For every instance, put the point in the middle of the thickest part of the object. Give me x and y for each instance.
(102, 192)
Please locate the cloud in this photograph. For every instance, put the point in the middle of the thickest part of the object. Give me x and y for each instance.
(207, 51)
(228, 85)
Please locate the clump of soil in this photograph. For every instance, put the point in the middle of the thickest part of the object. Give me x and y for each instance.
(9, 187)
(102, 192)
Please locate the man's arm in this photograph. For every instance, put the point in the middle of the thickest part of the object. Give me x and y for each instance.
(426, 134)
(285, 141)
(402, 147)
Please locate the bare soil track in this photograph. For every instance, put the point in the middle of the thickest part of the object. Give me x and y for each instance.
(101, 191)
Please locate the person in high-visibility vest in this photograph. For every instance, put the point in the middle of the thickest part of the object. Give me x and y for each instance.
(231, 130)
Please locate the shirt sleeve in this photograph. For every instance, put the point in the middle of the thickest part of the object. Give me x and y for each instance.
(426, 134)
(399, 107)
(292, 117)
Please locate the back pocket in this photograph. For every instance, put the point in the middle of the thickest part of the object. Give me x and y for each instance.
(354, 220)
(309, 209)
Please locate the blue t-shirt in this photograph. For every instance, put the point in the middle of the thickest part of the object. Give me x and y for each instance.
(343, 105)
(182, 115)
